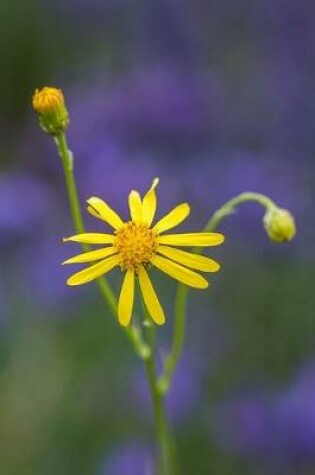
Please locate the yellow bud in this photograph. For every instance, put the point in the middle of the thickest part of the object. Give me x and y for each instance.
(279, 224)
(47, 99)
(50, 106)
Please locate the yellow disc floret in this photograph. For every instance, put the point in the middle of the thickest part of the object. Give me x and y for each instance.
(136, 244)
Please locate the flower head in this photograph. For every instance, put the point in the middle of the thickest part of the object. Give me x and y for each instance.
(136, 245)
(279, 224)
(50, 106)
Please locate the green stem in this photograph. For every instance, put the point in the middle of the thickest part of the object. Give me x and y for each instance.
(67, 162)
(162, 430)
(163, 433)
(132, 332)
(229, 208)
(179, 332)
(182, 291)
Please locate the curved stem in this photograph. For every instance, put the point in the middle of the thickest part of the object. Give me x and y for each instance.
(132, 332)
(229, 208)
(182, 291)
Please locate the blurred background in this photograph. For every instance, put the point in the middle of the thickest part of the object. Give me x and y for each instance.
(215, 97)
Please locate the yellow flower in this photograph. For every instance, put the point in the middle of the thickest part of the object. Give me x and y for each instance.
(136, 245)
(50, 106)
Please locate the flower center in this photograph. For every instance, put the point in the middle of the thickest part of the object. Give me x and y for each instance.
(136, 245)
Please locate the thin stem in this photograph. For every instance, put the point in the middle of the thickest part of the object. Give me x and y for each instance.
(230, 206)
(182, 291)
(178, 339)
(164, 439)
(67, 163)
(132, 332)
(162, 431)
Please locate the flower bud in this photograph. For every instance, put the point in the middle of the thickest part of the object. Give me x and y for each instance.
(279, 224)
(49, 104)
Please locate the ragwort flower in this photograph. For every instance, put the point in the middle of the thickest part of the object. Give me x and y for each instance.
(136, 245)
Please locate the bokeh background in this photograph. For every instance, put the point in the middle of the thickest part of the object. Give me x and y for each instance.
(215, 97)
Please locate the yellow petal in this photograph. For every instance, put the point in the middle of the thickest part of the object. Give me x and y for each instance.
(192, 239)
(93, 272)
(99, 209)
(91, 256)
(179, 272)
(126, 299)
(91, 238)
(149, 204)
(150, 298)
(173, 218)
(135, 206)
(190, 260)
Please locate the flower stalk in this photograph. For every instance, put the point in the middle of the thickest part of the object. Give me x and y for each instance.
(165, 443)
(166, 464)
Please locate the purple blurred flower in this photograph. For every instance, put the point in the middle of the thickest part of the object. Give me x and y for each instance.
(184, 395)
(290, 28)
(31, 229)
(132, 459)
(243, 424)
(26, 202)
(166, 107)
(278, 428)
(295, 415)
(155, 108)
(44, 280)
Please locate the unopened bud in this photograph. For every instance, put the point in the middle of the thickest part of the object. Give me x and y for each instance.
(50, 106)
(279, 224)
